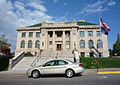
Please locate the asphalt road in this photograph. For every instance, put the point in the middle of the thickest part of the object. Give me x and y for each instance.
(61, 80)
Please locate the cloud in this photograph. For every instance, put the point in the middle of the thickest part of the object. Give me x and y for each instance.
(65, 3)
(37, 6)
(8, 20)
(93, 8)
(111, 3)
(31, 13)
(20, 13)
(55, 1)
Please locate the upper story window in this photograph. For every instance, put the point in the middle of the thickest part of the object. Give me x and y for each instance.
(99, 44)
(22, 44)
(29, 44)
(59, 34)
(67, 42)
(81, 33)
(90, 44)
(24, 34)
(98, 33)
(37, 34)
(37, 44)
(90, 33)
(67, 34)
(50, 42)
(30, 34)
(82, 44)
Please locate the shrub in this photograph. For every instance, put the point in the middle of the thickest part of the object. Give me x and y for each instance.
(4, 62)
(28, 54)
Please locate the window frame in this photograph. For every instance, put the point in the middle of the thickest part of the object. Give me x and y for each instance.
(23, 34)
(30, 34)
(89, 33)
(82, 35)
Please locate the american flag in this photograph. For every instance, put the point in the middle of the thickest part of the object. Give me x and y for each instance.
(104, 27)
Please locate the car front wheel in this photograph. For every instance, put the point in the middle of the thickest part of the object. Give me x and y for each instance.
(69, 73)
(35, 74)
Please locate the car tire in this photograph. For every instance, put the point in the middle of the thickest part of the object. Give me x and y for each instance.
(35, 74)
(69, 73)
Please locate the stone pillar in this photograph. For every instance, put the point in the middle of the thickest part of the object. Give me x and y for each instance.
(64, 43)
(53, 45)
(71, 43)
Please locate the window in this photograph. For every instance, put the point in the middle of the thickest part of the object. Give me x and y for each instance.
(37, 34)
(98, 33)
(81, 33)
(99, 44)
(67, 34)
(37, 44)
(42, 43)
(23, 44)
(50, 33)
(59, 34)
(100, 54)
(91, 54)
(67, 42)
(30, 34)
(23, 34)
(61, 62)
(82, 54)
(90, 33)
(90, 44)
(50, 63)
(29, 44)
(82, 44)
(50, 42)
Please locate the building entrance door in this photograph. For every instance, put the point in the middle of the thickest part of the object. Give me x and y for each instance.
(58, 47)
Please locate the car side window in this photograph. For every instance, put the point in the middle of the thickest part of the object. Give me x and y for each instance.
(60, 62)
(51, 63)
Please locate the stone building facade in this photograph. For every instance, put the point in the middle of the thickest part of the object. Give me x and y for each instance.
(63, 37)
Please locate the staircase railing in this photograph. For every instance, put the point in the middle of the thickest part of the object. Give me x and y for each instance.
(15, 60)
(38, 56)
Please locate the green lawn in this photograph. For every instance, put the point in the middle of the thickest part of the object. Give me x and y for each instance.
(91, 63)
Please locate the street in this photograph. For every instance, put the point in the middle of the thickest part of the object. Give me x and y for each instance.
(61, 80)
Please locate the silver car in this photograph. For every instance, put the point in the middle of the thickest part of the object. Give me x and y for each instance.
(66, 67)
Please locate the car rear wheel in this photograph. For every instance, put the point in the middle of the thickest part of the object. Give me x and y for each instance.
(69, 73)
(35, 74)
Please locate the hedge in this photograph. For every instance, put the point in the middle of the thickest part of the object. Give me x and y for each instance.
(92, 63)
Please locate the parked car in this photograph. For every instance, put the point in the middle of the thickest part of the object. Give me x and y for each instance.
(57, 66)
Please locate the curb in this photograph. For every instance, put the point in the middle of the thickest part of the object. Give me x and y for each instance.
(109, 72)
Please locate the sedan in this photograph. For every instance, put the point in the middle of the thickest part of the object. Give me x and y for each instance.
(57, 66)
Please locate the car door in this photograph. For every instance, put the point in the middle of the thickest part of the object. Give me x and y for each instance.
(60, 67)
(49, 67)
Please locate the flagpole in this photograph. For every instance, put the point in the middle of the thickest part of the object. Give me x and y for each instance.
(100, 34)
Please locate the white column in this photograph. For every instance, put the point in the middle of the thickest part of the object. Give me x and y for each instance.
(53, 45)
(64, 43)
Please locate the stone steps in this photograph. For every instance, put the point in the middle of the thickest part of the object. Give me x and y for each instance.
(26, 62)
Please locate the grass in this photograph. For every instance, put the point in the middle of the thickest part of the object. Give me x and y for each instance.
(92, 63)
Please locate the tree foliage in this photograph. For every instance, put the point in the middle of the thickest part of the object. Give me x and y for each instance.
(3, 38)
(116, 47)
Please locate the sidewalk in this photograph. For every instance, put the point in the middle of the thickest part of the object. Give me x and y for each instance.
(13, 72)
(86, 72)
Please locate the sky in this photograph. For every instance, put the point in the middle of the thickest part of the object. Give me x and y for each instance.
(22, 13)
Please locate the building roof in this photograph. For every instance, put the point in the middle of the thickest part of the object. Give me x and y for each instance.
(78, 23)
(85, 23)
(36, 25)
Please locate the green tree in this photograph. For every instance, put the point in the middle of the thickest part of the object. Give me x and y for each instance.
(3, 38)
(116, 46)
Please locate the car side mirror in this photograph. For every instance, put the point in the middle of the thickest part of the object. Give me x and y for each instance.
(43, 65)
